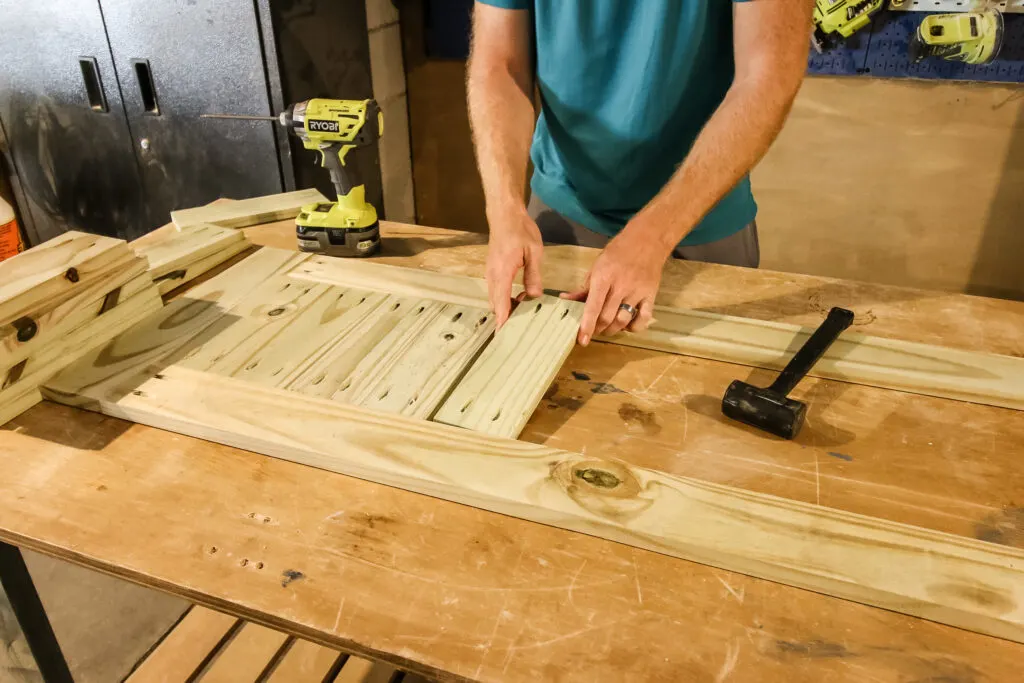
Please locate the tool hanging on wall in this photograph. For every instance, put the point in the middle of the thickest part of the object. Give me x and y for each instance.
(836, 20)
(969, 37)
(349, 225)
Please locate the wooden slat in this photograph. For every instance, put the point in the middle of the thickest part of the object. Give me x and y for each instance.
(413, 368)
(454, 289)
(39, 278)
(184, 323)
(186, 648)
(178, 248)
(359, 670)
(246, 212)
(504, 386)
(334, 365)
(985, 378)
(304, 662)
(176, 278)
(86, 305)
(949, 579)
(246, 656)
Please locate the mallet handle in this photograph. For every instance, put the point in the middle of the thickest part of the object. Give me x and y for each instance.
(814, 348)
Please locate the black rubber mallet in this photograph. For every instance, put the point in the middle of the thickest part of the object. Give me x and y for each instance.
(769, 408)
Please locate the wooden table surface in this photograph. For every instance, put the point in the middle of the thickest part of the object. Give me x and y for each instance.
(455, 592)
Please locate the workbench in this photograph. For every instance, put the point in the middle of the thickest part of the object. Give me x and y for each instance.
(457, 593)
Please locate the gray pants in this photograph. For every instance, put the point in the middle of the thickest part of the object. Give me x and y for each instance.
(739, 249)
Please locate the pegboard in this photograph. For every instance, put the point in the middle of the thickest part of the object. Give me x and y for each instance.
(885, 46)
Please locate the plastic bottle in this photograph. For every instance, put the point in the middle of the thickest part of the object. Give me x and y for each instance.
(10, 238)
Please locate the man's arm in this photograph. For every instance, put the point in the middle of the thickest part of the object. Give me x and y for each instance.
(771, 43)
(499, 85)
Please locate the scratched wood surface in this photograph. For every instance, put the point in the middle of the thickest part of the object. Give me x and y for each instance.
(440, 588)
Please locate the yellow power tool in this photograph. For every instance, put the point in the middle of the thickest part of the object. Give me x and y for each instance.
(347, 226)
(969, 37)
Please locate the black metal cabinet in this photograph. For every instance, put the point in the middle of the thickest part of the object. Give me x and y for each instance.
(100, 101)
(68, 139)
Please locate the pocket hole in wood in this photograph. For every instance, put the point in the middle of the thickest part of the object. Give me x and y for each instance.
(466, 406)
(395, 307)
(413, 400)
(319, 379)
(252, 365)
(286, 286)
(449, 336)
(539, 306)
(565, 313)
(419, 310)
(456, 317)
(259, 565)
(384, 395)
(306, 290)
(346, 385)
(496, 416)
(482, 320)
(138, 393)
(277, 372)
(362, 300)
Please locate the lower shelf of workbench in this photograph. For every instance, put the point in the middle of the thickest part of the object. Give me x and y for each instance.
(210, 647)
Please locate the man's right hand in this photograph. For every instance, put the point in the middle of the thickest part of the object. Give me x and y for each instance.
(515, 244)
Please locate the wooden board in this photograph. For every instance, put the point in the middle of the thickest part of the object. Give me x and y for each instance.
(187, 648)
(304, 662)
(504, 386)
(251, 651)
(245, 212)
(985, 378)
(941, 577)
(44, 276)
(179, 256)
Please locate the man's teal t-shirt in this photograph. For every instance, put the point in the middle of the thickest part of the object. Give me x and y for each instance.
(626, 87)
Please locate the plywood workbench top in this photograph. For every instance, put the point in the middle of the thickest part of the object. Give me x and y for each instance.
(459, 593)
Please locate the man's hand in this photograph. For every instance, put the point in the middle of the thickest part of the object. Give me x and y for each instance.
(628, 271)
(514, 245)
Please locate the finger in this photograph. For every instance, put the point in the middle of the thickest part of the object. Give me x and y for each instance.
(621, 320)
(578, 295)
(644, 317)
(531, 272)
(591, 311)
(500, 294)
(609, 312)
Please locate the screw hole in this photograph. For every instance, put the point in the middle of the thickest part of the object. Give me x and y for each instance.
(319, 379)
(243, 562)
(482, 320)
(384, 395)
(419, 310)
(537, 309)
(395, 307)
(565, 313)
(496, 416)
(362, 300)
(213, 549)
(449, 336)
(456, 317)
(466, 406)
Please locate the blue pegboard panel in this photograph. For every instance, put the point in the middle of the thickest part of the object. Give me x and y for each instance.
(848, 59)
(890, 39)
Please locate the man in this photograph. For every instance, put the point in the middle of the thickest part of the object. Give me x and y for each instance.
(653, 115)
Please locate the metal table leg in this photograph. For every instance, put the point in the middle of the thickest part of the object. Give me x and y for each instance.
(31, 616)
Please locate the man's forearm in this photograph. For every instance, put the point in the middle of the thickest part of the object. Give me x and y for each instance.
(730, 145)
(502, 118)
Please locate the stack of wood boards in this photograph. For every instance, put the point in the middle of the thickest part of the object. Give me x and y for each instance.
(179, 256)
(246, 212)
(60, 300)
(405, 354)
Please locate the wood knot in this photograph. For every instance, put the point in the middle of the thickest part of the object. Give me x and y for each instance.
(26, 328)
(273, 313)
(600, 478)
(71, 275)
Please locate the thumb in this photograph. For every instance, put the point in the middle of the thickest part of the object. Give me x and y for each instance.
(531, 272)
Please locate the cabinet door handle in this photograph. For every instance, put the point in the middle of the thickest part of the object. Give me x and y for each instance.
(147, 89)
(93, 84)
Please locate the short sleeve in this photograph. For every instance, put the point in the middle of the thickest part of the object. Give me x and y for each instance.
(508, 4)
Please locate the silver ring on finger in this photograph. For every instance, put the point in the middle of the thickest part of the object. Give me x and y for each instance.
(628, 309)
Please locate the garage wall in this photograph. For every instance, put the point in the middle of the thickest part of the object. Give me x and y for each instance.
(898, 182)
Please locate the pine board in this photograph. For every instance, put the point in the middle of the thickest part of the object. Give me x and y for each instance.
(504, 386)
(972, 376)
(179, 248)
(186, 648)
(67, 315)
(176, 278)
(246, 656)
(942, 577)
(246, 212)
(41, 277)
(304, 662)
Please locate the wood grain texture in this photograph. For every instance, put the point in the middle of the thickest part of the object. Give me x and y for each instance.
(176, 257)
(43, 276)
(183, 652)
(962, 582)
(304, 662)
(251, 651)
(962, 375)
(504, 386)
(418, 362)
(245, 212)
(985, 378)
(176, 278)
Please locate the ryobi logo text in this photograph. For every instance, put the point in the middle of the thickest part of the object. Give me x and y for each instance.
(323, 126)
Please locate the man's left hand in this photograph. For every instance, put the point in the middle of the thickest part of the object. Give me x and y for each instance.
(628, 271)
